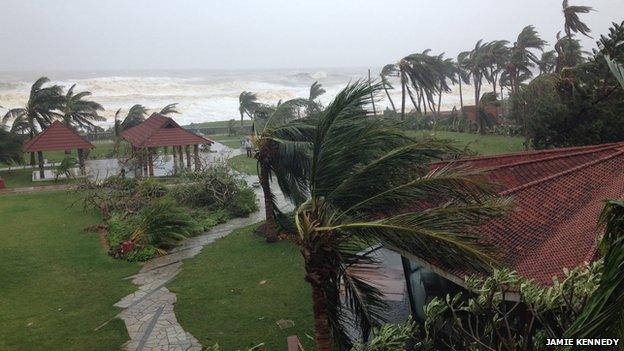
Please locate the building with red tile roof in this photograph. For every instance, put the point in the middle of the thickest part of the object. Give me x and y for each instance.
(162, 131)
(558, 196)
(57, 137)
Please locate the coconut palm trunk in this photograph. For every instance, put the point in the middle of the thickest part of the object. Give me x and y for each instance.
(388, 95)
(315, 276)
(269, 210)
(403, 83)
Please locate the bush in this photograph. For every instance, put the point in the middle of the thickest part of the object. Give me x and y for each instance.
(142, 254)
(162, 224)
(216, 188)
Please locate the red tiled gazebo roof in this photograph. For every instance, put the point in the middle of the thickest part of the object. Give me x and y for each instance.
(558, 196)
(57, 137)
(159, 130)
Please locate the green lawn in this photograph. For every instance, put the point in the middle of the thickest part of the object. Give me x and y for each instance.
(19, 178)
(482, 144)
(237, 288)
(56, 284)
(232, 141)
(244, 164)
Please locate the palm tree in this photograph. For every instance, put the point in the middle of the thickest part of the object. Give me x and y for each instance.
(496, 54)
(136, 115)
(316, 90)
(445, 74)
(43, 106)
(616, 69)
(389, 70)
(521, 59)
(78, 112)
(117, 123)
(462, 75)
(476, 63)
(247, 104)
(11, 147)
(547, 62)
(283, 144)
(573, 23)
(423, 75)
(169, 110)
(569, 52)
(403, 67)
(356, 202)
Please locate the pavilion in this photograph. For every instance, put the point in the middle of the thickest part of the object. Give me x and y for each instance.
(58, 137)
(161, 131)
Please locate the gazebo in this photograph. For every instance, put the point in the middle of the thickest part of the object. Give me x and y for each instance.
(161, 131)
(58, 137)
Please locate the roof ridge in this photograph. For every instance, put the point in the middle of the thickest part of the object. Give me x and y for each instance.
(560, 174)
(531, 152)
(553, 157)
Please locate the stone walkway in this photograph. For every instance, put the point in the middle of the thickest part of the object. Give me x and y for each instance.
(148, 312)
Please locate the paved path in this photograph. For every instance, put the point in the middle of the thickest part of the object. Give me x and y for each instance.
(35, 189)
(148, 312)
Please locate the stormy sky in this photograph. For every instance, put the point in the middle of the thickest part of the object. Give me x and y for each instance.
(251, 34)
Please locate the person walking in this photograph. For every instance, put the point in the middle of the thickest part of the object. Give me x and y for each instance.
(248, 147)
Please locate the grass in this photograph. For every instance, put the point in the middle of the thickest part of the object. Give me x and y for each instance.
(244, 164)
(482, 144)
(58, 284)
(232, 141)
(237, 288)
(19, 178)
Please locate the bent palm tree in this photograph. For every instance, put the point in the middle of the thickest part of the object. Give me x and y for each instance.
(547, 62)
(573, 23)
(80, 113)
(247, 104)
(136, 115)
(316, 90)
(42, 108)
(356, 202)
(283, 147)
(389, 70)
(169, 110)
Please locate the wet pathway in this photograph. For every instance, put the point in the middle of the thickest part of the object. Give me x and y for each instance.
(149, 312)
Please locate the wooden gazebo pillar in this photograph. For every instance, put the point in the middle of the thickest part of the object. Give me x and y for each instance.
(175, 160)
(187, 149)
(40, 159)
(181, 157)
(81, 161)
(150, 161)
(196, 157)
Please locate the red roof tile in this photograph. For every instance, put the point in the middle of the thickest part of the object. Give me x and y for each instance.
(159, 130)
(558, 196)
(57, 137)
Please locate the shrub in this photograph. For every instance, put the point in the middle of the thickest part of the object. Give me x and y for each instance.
(216, 188)
(162, 224)
(118, 231)
(142, 254)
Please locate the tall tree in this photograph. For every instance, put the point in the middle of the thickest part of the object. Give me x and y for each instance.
(475, 64)
(283, 141)
(247, 104)
(496, 53)
(355, 203)
(547, 62)
(569, 52)
(573, 23)
(463, 76)
(136, 115)
(169, 110)
(43, 106)
(79, 112)
(313, 106)
(389, 70)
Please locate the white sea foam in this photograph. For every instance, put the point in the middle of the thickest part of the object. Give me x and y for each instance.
(201, 95)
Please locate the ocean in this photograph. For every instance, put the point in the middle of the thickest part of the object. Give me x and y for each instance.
(202, 95)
